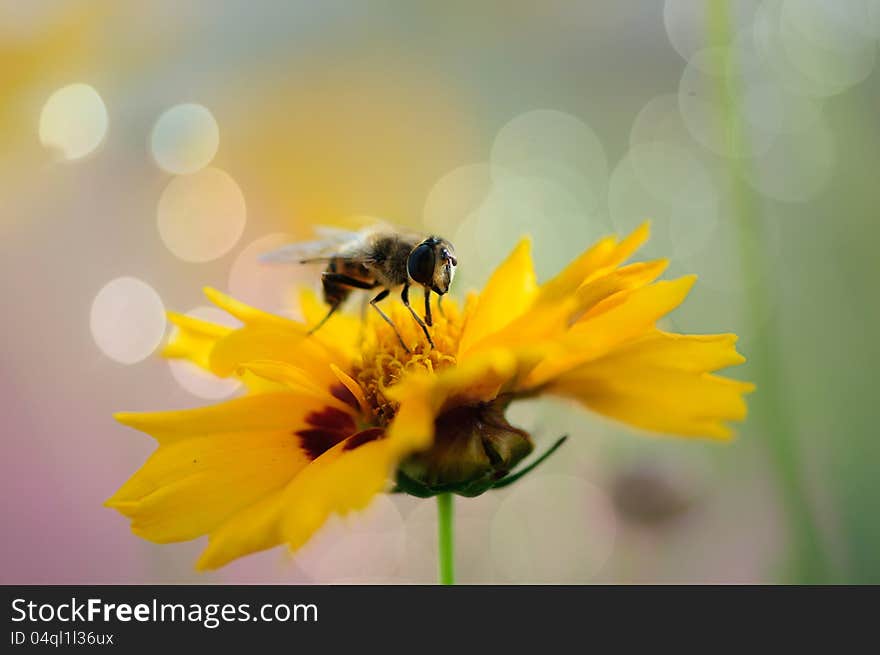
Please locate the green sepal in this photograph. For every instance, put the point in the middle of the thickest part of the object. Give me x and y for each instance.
(513, 477)
(407, 485)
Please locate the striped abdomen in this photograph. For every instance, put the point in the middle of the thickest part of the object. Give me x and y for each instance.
(335, 292)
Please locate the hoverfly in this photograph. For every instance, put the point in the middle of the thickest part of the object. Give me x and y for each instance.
(378, 257)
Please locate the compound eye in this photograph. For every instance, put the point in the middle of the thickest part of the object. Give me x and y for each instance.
(420, 265)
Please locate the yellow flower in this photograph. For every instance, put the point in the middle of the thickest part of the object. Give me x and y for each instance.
(330, 419)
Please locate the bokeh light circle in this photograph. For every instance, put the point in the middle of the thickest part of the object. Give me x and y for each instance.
(552, 145)
(547, 170)
(798, 165)
(823, 47)
(774, 109)
(799, 63)
(362, 547)
(196, 380)
(553, 529)
(520, 205)
(672, 187)
(660, 120)
(700, 102)
(73, 121)
(201, 216)
(687, 22)
(832, 24)
(270, 287)
(473, 557)
(127, 320)
(455, 196)
(185, 138)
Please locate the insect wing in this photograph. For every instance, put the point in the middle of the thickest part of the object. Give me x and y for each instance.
(332, 241)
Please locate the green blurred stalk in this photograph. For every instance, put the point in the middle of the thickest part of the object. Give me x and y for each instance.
(445, 539)
(808, 562)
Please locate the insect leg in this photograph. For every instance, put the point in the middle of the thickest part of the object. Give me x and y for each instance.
(428, 319)
(382, 295)
(363, 328)
(344, 281)
(404, 295)
(333, 308)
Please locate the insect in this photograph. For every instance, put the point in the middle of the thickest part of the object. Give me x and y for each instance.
(380, 257)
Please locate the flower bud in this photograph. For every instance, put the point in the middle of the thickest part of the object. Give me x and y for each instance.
(474, 447)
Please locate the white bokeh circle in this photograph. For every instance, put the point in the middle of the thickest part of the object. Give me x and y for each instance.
(824, 49)
(473, 558)
(270, 287)
(553, 528)
(127, 320)
(798, 165)
(799, 62)
(362, 547)
(185, 138)
(700, 98)
(73, 121)
(674, 189)
(201, 216)
(455, 196)
(556, 146)
(660, 120)
(687, 22)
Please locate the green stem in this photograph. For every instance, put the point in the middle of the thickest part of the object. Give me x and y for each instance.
(445, 539)
(809, 556)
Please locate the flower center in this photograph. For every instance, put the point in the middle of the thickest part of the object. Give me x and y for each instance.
(384, 360)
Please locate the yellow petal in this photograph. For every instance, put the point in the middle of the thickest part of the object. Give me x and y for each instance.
(252, 529)
(291, 378)
(605, 253)
(413, 423)
(698, 353)
(353, 387)
(626, 278)
(247, 314)
(212, 463)
(343, 330)
(550, 321)
(188, 488)
(590, 279)
(629, 245)
(664, 400)
(478, 379)
(256, 343)
(612, 322)
(263, 412)
(508, 293)
(343, 479)
(573, 275)
(338, 482)
(422, 397)
(193, 339)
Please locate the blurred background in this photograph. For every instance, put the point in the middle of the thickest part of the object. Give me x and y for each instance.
(150, 149)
